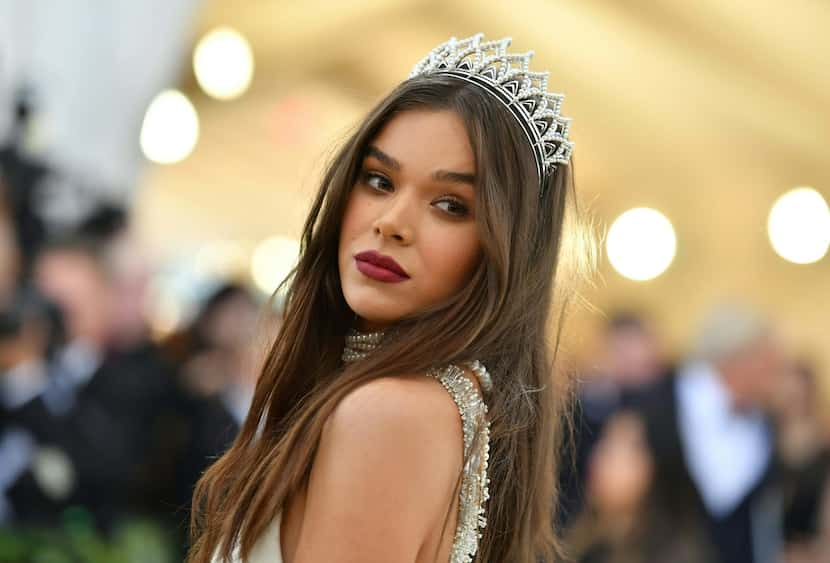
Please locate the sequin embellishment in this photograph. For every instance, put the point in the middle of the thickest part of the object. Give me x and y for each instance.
(474, 483)
(474, 491)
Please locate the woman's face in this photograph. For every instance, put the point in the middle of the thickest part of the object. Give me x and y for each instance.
(409, 238)
(621, 466)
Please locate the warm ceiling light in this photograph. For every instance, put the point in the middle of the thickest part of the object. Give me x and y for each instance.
(170, 129)
(799, 226)
(223, 63)
(641, 244)
(272, 261)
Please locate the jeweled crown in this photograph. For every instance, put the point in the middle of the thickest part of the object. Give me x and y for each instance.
(508, 77)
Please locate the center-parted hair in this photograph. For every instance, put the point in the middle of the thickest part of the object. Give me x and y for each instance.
(501, 317)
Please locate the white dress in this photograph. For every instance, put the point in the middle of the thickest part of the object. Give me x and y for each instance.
(474, 483)
(267, 548)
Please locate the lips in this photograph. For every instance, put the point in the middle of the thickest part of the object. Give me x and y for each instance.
(379, 267)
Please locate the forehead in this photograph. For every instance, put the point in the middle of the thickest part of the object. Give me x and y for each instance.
(428, 140)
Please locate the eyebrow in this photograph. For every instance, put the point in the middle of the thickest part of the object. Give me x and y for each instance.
(383, 157)
(438, 175)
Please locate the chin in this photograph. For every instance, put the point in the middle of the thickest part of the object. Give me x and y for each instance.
(374, 311)
(375, 317)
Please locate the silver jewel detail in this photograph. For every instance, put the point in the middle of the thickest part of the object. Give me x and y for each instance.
(508, 77)
(358, 345)
(482, 375)
(475, 490)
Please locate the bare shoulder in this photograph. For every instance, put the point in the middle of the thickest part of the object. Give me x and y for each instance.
(411, 421)
(384, 472)
(412, 405)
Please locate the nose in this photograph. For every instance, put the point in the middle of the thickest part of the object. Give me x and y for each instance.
(395, 222)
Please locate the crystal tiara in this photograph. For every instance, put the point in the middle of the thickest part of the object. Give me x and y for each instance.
(506, 76)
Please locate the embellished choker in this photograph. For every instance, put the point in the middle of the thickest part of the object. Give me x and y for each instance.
(358, 345)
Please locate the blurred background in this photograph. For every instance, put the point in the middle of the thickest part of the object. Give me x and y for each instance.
(157, 159)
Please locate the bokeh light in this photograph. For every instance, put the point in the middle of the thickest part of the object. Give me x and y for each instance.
(272, 262)
(799, 226)
(223, 63)
(170, 129)
(641, 244)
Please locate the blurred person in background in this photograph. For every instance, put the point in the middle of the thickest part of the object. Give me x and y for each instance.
(804, 445)
(129, 271)
(71, 273)
(712, 433)
(36, 474)
(627, 518)
(629, 360)
(113, 399)
(230, 330)
(217, 380)
(9, 254)
(220, 341)
(147, 378)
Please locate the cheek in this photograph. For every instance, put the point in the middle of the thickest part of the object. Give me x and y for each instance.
(350, 217)
(451, 256)
(353, 222)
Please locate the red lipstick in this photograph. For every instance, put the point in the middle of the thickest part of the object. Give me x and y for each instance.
(379, 267)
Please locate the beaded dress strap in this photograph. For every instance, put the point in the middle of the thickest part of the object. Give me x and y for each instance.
(476, 428)
(474, 482)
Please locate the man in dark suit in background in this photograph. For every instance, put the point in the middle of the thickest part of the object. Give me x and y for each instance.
(710, 428)
(110, 393)
(36, 474)
(628, 362)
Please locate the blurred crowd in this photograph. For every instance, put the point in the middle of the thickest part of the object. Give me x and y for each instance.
(100, 416)
(720, 456)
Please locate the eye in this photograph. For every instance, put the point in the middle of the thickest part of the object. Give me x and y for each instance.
(376, 181)
(453, 206)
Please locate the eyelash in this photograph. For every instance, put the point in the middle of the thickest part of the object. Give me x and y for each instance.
(460, 208)
(367, 178)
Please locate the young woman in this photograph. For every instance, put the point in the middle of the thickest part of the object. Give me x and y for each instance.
(376, 433)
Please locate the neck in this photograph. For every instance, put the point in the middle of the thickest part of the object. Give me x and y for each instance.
(365, 325)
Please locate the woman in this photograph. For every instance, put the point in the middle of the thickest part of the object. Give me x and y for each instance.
(429, 253)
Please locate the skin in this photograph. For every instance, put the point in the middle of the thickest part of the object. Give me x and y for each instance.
(634, 356)
(414, 201)
(751, 375)
(28, 346)
(384, 475)
(81, 290)
(621, 469)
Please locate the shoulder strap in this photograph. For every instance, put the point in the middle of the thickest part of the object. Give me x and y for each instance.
(474, 483)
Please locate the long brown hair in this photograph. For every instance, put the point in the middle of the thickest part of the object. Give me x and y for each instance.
(500, 317)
